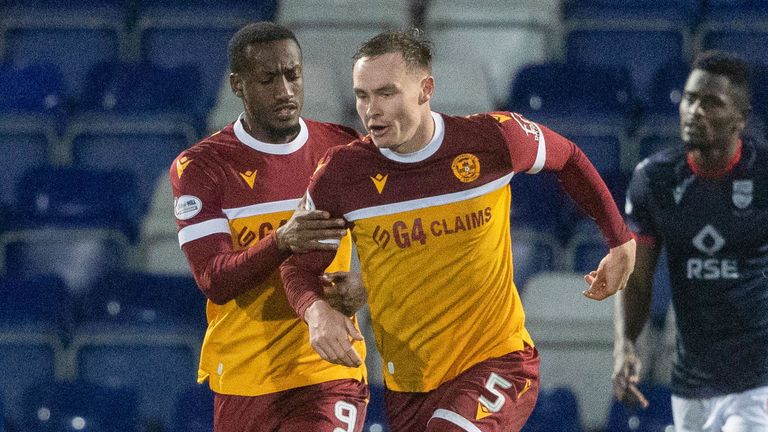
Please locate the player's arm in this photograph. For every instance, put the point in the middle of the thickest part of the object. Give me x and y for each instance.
(221, 272)
(630, 315)
(534, 148)
(330, 332)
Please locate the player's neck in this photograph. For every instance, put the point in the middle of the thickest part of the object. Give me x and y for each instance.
(267, 136)
(421, 138)
(715, 162)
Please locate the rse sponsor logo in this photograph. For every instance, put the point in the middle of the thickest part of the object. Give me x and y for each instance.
(405, 234)
(246, 236)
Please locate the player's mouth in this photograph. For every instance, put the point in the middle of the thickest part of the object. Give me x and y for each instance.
(286, 111)
(377, 130)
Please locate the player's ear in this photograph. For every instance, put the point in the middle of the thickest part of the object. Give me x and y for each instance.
(236, 84)
(427, 89)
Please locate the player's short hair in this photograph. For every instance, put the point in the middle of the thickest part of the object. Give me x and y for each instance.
(411, 44)
(732, 67)
(254, 33)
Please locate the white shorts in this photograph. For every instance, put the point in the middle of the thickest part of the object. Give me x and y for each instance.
(736, 412)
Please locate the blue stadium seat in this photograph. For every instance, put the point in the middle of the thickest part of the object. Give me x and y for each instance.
(749, 44)
(171, 43)
(736, 11)
(376, 417)
(26, 141)
(655, 142)
(41, 305)
(144, 299)
(79, 198)
(31, 88)
(563, 90)
(157, 366)
(656, 418)
(667, 89)
(556, 411)
(673, 11)
(603, 148)
(79, 406)
(57, 39)
(79, 256)
(641, 51)
(144, 147)
(533, 252)
(142, 87)
(537, 203)
(193, 411)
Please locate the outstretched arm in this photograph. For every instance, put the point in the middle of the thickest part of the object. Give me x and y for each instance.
(631, 314)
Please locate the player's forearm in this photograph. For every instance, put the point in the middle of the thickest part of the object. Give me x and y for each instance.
(223, 274)
(582, 182)
(300, 274)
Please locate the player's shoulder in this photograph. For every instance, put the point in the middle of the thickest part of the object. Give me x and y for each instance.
(206, 154)
(330, 134)
(662, 161)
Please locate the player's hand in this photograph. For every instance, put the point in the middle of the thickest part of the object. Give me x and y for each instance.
(331, 334)
(613, 272)
(626, 376)
(344, 291)
(305, 229)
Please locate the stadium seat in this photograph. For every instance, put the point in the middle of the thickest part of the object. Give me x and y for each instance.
(78, 198)
(193, 411)
(144, 148)
(498, 51)
(556, 410)
(585, 249)
(642, 11)
(79, 406)
(158, 241)
(533, 252)
(604, 146)
(656, 418)
(667, 89)
(79, 256)
(749, 43)
(569, 330)
(472, 96)
(31, 88)
(144, 299)
(56, 38)
(538, 203)
(26, 141)
(171, 43)
(376, 417)
(598, 94)
(156, 366)
(736, 12)
(651, 141)
(641, 51)
(41, 305)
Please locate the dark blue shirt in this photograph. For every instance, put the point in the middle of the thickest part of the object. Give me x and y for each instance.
(716, 234)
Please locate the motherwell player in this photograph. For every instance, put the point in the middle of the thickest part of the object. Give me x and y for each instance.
(235, 193)
(428, 199)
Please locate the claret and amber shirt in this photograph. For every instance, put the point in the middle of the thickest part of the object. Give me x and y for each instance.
(433, 234)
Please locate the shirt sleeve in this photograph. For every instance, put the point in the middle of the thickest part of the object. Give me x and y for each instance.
(221, 272)
(636, 207)
(534, 148)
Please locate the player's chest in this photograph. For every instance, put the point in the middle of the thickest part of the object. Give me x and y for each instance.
(714, 215)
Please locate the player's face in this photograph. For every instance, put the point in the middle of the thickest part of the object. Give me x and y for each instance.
(272, 90)
(709, 114)
(392, 100)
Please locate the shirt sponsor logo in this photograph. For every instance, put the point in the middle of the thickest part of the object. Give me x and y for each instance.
(527, 126)
(181, 165)
(710, 241)
(742, 193)
(249, 177)
(379, 181)
(466, 167)
(186, 207)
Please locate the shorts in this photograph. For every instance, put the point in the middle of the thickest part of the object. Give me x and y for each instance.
(736, 412)
(495, 395)
(332, 406)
